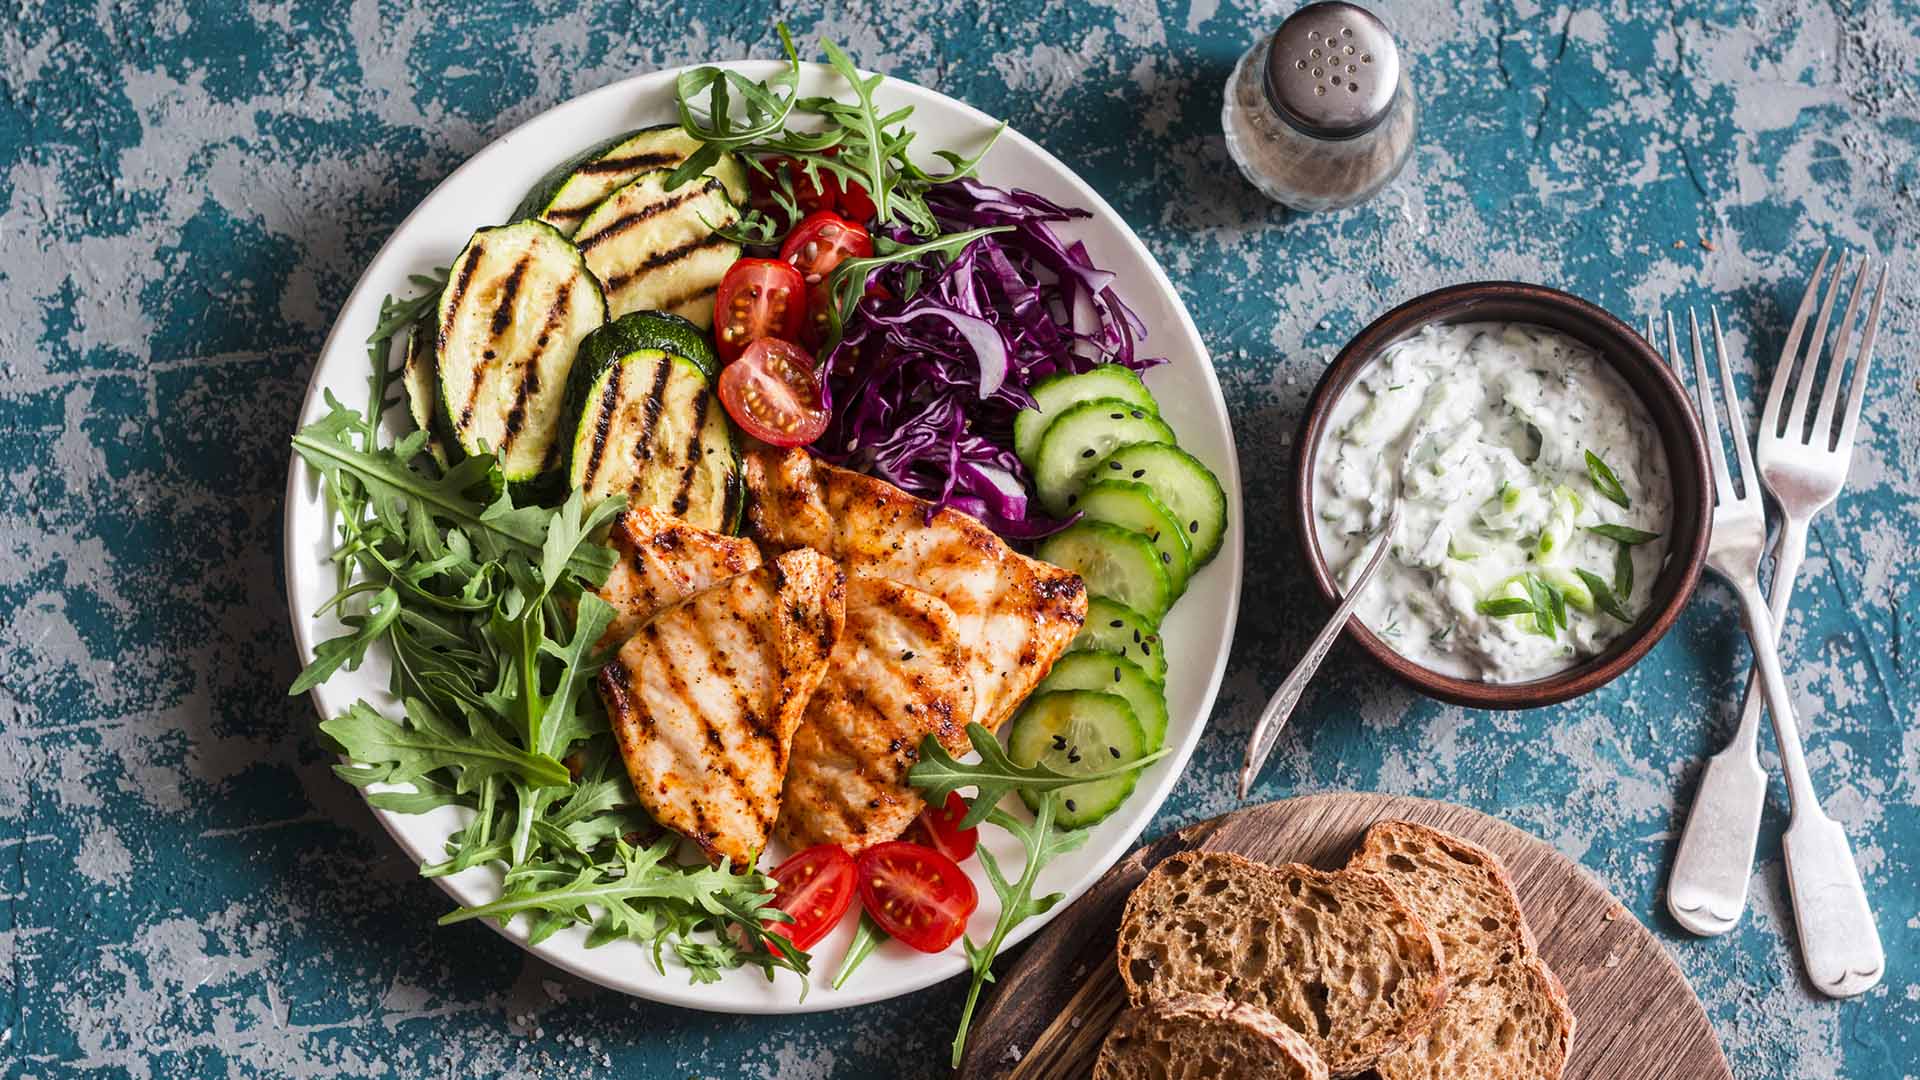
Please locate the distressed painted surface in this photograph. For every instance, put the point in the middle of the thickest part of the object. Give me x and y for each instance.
(189, 191)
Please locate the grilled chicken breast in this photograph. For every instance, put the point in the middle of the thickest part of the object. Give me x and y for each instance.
(1015, 615)
(664, 560)
(898, 675)
(705, 697)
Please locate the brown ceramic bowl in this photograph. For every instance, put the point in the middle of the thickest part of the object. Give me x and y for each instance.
(1666, 402)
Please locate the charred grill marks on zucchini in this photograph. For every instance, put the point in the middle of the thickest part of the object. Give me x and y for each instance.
(566, 195)
(648, 426)
(657, 249)
(521, 301)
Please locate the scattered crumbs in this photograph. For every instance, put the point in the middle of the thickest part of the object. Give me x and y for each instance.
(1614, 912)
(1324, 324)
(1678, 244)
(1074, 1022)
(1014, 1053)
(1613, 960)
(1708, 244)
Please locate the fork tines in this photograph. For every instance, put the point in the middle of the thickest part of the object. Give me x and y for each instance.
(1802, 366)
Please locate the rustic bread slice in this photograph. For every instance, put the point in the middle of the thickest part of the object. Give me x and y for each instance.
(1335, 956)
(1511, 1023)
(1457, 888)
(1194, 1036)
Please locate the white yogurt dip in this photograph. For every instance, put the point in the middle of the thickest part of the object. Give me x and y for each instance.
(1497, 572)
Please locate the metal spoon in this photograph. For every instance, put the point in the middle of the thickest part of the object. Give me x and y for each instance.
(1273, 720)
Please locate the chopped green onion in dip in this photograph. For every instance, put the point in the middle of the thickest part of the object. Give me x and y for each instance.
(1513, 444)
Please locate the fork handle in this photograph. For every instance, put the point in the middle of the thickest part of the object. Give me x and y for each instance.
(1839, 942)
(1707, 890)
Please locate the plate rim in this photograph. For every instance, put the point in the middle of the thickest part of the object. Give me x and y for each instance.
(937, 968)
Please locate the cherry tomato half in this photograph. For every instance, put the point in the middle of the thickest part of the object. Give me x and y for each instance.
(757, 298)
(773, 393)
(916, 894)
(941, 828)
(816, 888)
(820, 243)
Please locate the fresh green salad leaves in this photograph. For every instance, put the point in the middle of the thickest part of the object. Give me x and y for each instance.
(836, 145)
(938, 773)
(481, 599)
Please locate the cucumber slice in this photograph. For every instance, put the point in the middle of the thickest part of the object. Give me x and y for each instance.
(1110, 673)
(1113, 562)
(1055, 394)
(1076, 731)
(1183, 485)
(1113, 627)
(1133, 506)
(1079, 437)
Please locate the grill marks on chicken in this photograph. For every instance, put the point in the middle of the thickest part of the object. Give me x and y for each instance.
(1014, 615)
(664, 560)
(705, 697)
(898, 675)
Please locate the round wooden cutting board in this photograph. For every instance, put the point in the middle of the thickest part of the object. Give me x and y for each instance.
(1637, 1017)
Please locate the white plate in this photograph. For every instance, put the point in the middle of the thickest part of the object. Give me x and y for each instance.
(483, 192)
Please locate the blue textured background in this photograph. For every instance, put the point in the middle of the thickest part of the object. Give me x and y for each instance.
(188, 191)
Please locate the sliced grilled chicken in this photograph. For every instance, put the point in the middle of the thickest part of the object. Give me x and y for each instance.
(898, 675)
(664, 560)
(1016, 615)
(704, 699)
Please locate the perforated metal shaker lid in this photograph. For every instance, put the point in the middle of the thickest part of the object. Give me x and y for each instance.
(1332, 70)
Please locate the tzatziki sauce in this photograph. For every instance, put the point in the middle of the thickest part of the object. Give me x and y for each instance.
(1537, 499)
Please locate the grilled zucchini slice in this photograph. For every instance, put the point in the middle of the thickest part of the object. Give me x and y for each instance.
(657, 249)
(650, 427)
(564, 196)
(420, 375)
(519, 299)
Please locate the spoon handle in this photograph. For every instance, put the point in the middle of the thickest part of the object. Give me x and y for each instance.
(1273, 719)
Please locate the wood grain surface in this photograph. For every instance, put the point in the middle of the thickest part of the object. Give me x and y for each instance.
(1637, 1017)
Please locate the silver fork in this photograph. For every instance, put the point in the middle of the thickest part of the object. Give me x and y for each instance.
(1838, 940)
(1804, 471)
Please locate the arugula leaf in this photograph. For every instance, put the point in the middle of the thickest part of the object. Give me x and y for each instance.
(1043, 843)
(1625, 534)
(1604, 481)
(388, 480)
(396, 753)
(865, 940)
(1603, 597)
(938, 774)
(349, 649)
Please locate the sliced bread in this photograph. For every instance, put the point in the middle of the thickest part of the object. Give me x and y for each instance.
(1195, 1036)
(1335, 956)
(1457, 888)
(1512, 1023)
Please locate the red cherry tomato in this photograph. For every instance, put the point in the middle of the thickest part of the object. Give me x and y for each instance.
(848, 199)
(816, 888)
(773, 393)
(916, 894)
(821, 242)
(941, 828)
(757, 298)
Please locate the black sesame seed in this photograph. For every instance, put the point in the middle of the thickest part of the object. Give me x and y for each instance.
(1116, 624)
(1059, 742)
(1113, 465)
(1073, 756)
(1070, 806)
(1116, 674)
(1138, 415)
(907, 655)
(1136, 637)
(1071, 499)
(1146, 649)
(1138, 473)
(1120, 416)
(1166, 558)
(1088, 452)
(1114, 750)
(1193, 526)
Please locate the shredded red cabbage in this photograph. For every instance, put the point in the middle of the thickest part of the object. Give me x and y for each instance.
(937, 358)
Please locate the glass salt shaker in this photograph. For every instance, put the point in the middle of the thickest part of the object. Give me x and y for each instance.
(1318, 114)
